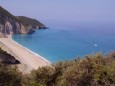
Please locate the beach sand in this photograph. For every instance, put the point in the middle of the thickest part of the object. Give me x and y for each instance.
(29, 60)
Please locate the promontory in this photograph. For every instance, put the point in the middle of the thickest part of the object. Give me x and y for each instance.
(10, 24)
(12, 52)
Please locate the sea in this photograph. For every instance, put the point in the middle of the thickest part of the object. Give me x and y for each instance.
(61, 43)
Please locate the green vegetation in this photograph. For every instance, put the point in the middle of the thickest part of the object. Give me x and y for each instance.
(9, 76)
(92, 70)
(28, 21)
(4, 12)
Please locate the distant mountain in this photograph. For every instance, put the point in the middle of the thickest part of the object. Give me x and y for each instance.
(10, 24)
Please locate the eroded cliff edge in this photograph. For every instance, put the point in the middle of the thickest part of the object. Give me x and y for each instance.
(10, 24)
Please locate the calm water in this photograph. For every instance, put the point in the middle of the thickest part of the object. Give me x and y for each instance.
(65, 43)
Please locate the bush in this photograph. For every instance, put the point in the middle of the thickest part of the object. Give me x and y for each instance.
(93, 70)
(9, 76)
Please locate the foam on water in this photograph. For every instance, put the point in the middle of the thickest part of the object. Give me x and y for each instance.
(31, 51)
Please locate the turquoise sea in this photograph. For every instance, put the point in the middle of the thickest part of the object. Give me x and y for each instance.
(59, 43)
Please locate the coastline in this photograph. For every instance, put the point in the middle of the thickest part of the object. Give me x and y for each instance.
(28, 59)
(30, 51)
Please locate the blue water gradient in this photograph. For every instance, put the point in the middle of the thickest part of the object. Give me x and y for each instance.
(63, 43)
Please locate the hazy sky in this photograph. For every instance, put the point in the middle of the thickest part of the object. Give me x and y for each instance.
(63, 10)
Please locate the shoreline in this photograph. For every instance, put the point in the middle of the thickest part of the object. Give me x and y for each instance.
(29, 60)
(30, 51)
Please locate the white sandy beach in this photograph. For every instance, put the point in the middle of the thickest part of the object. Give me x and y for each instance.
(26, 57)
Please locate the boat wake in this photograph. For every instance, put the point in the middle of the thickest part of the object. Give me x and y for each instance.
(90, 43)
(95, 45)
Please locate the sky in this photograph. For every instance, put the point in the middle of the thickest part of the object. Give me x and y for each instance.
(63, 10)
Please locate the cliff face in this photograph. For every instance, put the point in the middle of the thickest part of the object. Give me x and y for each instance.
(10, 24)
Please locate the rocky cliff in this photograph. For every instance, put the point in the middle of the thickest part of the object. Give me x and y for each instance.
(10, 24)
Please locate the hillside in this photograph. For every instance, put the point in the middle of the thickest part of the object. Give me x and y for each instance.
(10, 24)
(7, 58)
(29, 21)
(92, 70)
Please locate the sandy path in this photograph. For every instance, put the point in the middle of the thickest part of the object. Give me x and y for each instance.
(30, 60)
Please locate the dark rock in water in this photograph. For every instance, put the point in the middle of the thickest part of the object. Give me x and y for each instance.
(42, 27)
(10, 24)
(31, 31)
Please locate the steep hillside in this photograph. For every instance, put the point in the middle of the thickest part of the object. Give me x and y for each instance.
(29, 21)
(93, 70)
(7, 58)
(9, 24)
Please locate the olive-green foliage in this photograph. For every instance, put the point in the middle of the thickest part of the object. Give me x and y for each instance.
(9, 76)
(41, 77)
(93, 70)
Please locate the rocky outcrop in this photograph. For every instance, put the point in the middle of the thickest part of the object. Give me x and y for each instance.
(10, 24)
(7, 58)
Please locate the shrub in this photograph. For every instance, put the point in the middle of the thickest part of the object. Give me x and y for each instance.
(9, 76)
